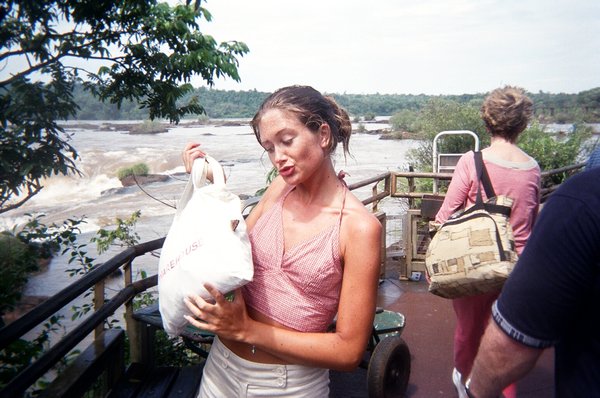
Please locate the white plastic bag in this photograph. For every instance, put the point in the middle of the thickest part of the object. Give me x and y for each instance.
(207, 242)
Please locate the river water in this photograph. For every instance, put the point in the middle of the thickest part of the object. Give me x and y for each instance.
(99, 196)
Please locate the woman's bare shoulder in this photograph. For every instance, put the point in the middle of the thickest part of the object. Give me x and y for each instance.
(360, 236)
(359, 218)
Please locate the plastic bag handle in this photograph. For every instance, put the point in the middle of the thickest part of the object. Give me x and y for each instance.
(198, 179)
(217, 172)
(198, 173)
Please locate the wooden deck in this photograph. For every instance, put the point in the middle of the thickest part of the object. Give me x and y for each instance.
(428, 332)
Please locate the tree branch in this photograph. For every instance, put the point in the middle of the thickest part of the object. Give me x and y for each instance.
(12, 206)
(34, 68)
(74, 52)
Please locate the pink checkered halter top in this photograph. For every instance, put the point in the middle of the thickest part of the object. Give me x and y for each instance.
(299, 288)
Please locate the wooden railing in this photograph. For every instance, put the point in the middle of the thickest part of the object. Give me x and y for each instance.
(565, 172)
(376, 195)
(94, 323)
(403, 185)
(407, 189)
(107, 346)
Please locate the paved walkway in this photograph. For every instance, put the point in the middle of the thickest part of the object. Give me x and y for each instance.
(428, 333)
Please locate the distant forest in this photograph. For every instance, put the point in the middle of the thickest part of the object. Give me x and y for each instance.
(220, 104)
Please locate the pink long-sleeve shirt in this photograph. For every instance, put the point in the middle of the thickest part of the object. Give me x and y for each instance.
(517, 180)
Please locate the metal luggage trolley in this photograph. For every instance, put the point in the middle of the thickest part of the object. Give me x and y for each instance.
(388, 367)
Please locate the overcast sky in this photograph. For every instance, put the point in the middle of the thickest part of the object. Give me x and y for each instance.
(412, 47)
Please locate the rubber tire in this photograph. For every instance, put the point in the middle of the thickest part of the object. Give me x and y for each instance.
(389, 369)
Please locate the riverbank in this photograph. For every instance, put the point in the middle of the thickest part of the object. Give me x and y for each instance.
(147, 126)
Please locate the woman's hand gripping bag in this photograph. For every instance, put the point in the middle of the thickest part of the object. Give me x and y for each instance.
(207, 242)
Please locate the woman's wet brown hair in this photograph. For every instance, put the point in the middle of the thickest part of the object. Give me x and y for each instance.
(313, 109)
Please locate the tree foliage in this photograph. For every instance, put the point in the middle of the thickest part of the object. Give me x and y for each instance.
(404, 120)
(555, 151)
(133, 50)
(549, 108)
(551, 151)
(22, 248)
(444, 115)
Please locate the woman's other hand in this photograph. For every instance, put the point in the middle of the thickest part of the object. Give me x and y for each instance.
(226, 318)
(190, 153)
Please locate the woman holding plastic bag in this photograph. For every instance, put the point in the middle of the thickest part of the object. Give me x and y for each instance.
(316, 255)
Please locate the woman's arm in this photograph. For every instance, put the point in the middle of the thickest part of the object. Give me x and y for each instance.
(342, 349)
(458, 190)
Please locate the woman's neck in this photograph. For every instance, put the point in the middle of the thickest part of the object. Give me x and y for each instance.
(506, 150)
(320, 187)
(500, 141)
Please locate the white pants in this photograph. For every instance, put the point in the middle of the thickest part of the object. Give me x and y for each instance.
(226, 375)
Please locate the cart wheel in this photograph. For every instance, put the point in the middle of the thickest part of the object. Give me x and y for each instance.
(389, 368)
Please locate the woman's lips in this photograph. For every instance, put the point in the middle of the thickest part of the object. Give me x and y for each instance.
(286, 171)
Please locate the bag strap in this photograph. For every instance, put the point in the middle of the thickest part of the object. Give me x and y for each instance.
(198, 179)
(482, 175)
(478, 170)
(484, 179)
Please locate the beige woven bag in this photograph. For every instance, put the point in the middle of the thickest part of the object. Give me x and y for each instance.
(473, 252)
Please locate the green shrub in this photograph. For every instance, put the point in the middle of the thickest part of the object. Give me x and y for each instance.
(553, 151)
(22, 248)
(149, 127)
(404, 120)
(443, 115)
(139, 169)
(369, 117)
(18, 260)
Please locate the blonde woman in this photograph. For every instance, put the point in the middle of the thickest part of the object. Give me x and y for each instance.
(506, 112)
